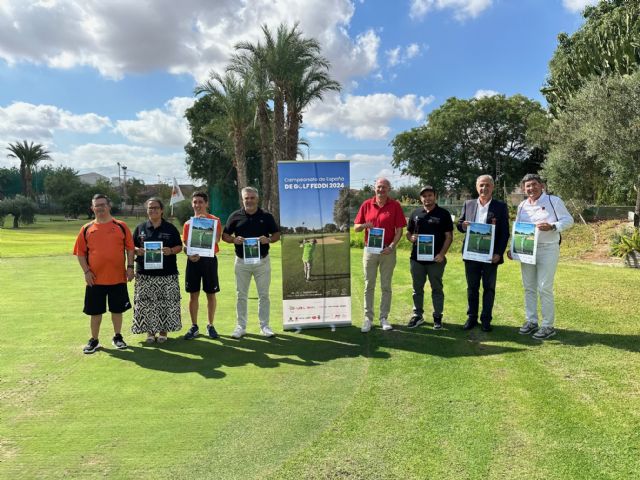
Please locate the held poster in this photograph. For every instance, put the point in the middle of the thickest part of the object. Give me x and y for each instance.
(153, 255)
(478, 243)
(251, 250)
(524, 242)
(314, 223)
(374, 240)
(202, 236)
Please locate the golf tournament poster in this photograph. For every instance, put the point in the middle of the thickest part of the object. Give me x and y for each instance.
(251, 250)
(375, 238)
(314, 213)
(524, 242)
(425, 248)
(478, 242)
(202, 236)
(153, 255)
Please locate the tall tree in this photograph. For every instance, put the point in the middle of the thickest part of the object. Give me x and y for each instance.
(135, 186)
(235, 97)
(29, 155)
(250, 62)
(602, 123)
(607, 43)
(465, 138)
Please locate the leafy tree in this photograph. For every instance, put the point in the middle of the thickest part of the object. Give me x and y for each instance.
(60, 182)
(135, 187)
(9, 182)
(22, 208)
(29, 155)
(341, 208)
(606, 44)
(466, 138)
(602, 121)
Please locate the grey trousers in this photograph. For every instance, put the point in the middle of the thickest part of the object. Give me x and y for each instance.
(419, 274)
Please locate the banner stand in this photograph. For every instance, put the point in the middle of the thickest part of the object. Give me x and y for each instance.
(316, 257)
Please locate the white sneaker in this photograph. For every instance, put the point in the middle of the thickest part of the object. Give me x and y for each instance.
(366, 326)
(238, 332)
(386, 326)
(267, 332)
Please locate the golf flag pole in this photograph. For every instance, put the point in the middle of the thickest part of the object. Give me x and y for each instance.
(176, 194)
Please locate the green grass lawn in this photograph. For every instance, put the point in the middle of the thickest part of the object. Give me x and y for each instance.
(339, 405)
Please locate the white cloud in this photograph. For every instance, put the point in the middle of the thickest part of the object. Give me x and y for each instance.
(39, 122)
(365, 117)
(485, 93)
(397, 55)
(577, 5)
(314, 134)
(462, 8)
(141, 162)
(166, 127)
(365, 168)
(192, 36)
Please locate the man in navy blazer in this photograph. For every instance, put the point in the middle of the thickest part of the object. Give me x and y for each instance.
(484, 209)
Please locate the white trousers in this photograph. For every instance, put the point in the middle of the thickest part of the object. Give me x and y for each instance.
(262, 274)
(537, 281)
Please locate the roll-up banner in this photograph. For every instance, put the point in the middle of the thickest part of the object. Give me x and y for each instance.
(314, 223)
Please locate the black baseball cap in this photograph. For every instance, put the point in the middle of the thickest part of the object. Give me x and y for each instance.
(427, 188)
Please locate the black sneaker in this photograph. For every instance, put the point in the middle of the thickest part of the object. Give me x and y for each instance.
(437, 323)
(211, 331)
(92, 346)
(118, 341)
(415, 321)
(192, 333)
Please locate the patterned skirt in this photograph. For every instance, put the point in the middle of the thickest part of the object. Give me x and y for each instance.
(156, 304)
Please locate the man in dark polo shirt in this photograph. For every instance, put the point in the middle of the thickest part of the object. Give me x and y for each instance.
(251, 222)
(381, 211)
(430, 219)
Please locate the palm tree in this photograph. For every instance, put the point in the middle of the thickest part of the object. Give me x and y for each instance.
(235, 96)
(250, 64)
(296, 74)
(308, 85)
(30, 155)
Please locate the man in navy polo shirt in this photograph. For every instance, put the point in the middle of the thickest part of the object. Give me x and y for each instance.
(430, 219)
(251, 222)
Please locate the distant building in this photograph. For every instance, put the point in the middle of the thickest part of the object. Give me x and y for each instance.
(92, 178)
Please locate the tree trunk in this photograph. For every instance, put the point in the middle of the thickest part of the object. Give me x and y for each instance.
(279, 152)
(240, 161)
(279, 136)
(636, 217)
(267, 157)
(16, 220)
(293, 126)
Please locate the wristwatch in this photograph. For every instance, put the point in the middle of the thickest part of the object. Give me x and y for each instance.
(554, 227)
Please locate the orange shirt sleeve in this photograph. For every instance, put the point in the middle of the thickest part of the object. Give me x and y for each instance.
(80, 247)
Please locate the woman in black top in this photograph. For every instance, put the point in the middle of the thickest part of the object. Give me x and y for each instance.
(157, 291)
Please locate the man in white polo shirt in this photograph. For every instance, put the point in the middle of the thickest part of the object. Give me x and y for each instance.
(551, 217)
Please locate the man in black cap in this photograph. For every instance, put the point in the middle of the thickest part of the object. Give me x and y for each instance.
(430, 219)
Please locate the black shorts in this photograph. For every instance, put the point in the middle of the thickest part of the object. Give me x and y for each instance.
(95, 299)
(204, 270)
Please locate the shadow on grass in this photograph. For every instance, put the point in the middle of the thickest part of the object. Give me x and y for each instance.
(314, 347)
(207, 357)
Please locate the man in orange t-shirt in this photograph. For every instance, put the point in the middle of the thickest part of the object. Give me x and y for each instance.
(201, 270)
(100, 247)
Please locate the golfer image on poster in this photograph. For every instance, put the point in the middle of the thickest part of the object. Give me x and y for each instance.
(153, 255)
(425, 248)
(478, 243)
(524, 242)
(202, 239)
(374, 242)
(251, 250)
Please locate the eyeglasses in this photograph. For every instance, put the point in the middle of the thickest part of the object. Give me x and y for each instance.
(153, 208)
(101, 205)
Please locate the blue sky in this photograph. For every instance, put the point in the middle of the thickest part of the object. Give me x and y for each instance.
(107, 81)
